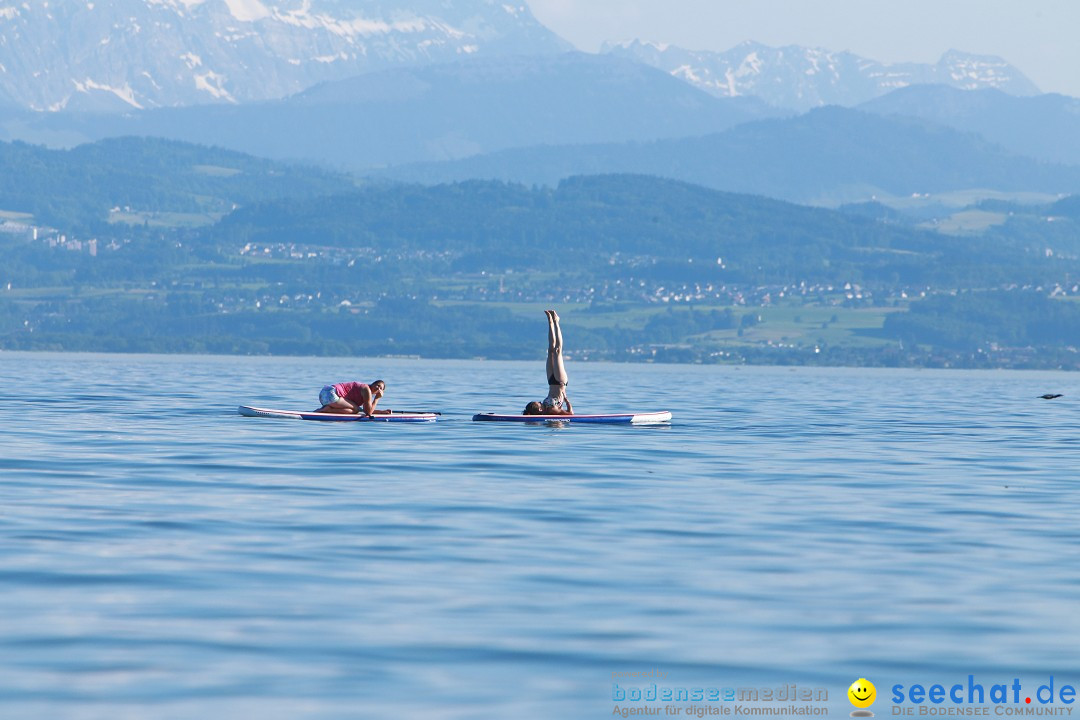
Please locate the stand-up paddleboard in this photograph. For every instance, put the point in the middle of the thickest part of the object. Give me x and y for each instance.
(647, 418)
(411, 417)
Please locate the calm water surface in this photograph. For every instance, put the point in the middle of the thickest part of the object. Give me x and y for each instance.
(163, 557)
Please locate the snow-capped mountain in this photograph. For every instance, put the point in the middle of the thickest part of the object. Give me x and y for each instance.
(124, 54)
(426, 113)
(801, 78)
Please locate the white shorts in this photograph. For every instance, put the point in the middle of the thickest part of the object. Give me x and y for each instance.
(328, 396)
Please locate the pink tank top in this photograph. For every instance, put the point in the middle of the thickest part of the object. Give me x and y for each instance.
(350, 391)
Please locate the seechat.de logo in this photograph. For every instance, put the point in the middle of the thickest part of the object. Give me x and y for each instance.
(862, 694)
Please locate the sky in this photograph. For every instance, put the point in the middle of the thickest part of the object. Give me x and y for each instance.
(1039, 37)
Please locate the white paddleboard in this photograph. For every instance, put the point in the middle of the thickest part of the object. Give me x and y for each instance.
(248, 411)
(647, 418)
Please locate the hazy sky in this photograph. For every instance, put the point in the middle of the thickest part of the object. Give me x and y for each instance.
(1040, 37)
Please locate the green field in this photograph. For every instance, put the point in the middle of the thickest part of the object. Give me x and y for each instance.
(964, 198)
(216, 170)
(168, 220)
(807, 325)
(967, 222)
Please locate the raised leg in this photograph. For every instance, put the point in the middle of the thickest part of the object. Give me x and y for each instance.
(556, 370)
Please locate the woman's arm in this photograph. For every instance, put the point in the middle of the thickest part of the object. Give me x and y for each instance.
(370, 401)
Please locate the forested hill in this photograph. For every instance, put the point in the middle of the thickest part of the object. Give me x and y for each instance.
(641, 268)
(668, 228)
(75, 190)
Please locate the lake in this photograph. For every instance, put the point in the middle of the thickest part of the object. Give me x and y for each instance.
(163, 557)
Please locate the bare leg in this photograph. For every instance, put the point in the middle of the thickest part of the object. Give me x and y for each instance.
(338, 408)
(556, 370)
(550, 368)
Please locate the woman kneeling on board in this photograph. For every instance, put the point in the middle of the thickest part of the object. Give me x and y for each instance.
(556, 402)
(352, 398)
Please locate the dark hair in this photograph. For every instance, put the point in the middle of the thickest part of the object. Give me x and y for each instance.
(379, 382)
(533, 408)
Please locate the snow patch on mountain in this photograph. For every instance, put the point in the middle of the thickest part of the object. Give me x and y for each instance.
(248, 10)
(801, 78)
(180, 5)
(214, 85)
(125, 93)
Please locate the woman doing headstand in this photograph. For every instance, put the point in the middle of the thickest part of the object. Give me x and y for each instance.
(556, 402)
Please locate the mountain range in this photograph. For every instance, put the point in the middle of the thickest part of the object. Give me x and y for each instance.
(801, 78)
(141, 54)
(1046, 127)
(135, 54)
(828, 156)
(427, 113)
(437, 90)
(543, 118)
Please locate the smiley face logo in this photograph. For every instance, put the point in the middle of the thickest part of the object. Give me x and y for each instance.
(862, 693)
